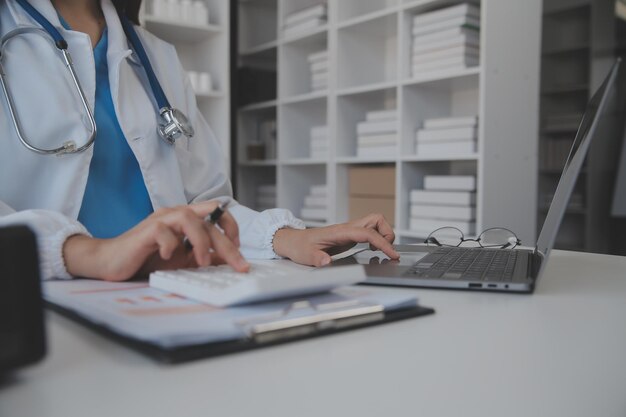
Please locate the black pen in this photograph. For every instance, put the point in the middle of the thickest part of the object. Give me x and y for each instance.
(212, 218)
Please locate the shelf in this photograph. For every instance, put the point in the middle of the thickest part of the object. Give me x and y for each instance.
(175, 32)
(355, 160)
(315, 95)
(259, 106)
(417, 158)
(443, 75)
(367, 88)
(258, 49)
(321, 31)
(304, 161)
(367, 16)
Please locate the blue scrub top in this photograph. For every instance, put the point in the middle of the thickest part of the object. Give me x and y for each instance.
(116, 198)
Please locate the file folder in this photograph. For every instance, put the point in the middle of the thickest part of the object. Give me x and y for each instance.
(171, 329)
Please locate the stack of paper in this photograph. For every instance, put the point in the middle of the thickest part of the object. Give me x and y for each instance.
(316, 204)
(446, 39)
(319, 142)
(447, 136)
(266, 197)
(446, 200)
(377, 136)
(319, 70)
(305, 20)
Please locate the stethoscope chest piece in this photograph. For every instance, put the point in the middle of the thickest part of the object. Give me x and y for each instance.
(174, 124)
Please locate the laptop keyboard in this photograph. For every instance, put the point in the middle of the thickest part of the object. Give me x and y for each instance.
(475, 264)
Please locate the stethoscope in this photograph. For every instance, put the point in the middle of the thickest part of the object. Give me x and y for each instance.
(172, 124)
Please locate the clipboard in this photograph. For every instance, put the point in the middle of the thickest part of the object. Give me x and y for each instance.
(262, 331)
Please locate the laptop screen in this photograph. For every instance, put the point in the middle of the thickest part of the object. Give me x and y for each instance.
(586, 132)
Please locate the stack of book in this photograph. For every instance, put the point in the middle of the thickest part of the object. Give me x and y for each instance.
(319, 70)
(316, 204)
(447, 136)
(446, 200)
(305, 20)
(377, 136)
(446, 39)
(319, 142)
(266, 197)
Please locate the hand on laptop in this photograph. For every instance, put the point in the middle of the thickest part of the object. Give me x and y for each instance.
(315, 246)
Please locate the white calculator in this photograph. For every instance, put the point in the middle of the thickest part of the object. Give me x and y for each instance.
(221, 286)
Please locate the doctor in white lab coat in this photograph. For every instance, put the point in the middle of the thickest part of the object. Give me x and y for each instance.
(183, 182)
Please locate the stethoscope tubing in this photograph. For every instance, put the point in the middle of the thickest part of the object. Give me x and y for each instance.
(68, 146)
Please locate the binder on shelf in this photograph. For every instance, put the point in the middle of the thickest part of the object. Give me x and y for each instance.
(467, 213)
(378, 127)
(448, 198)
(447, 134)
(455, 33)
(381, 115)
(173, 329)
(446, 148)
(465, 9)
(451, 122)
(317, 11)
(450, 182)
(462, 21)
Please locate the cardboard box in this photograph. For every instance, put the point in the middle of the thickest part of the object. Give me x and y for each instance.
(362, 206)
(373, 181)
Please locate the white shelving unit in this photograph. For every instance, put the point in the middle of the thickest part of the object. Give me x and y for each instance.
(202, 48)
(369, 45)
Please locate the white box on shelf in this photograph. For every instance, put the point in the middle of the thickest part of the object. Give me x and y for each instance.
(378, 140)
(449, 198)
(373, 128)
(381, 115)
(467, 213)
(464, 50)
(443, 35)
(449, 134)
(450, 122)
(318, 56)
(318, 10)
(430, 225)
(462, 40)
(318, 190)
(303, 27)
(446, 148)
(462, 21)
(319, 131)
(320, 66)
(465, 9)
(450, 182)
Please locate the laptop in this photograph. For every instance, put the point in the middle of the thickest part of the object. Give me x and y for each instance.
(491, 269)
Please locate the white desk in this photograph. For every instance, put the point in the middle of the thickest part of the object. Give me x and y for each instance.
(559, 352)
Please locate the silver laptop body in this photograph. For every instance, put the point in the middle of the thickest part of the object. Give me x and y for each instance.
(528, 265)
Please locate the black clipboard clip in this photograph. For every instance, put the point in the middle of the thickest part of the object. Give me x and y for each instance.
(302, 318)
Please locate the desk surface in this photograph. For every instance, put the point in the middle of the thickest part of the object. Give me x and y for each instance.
(559, 352)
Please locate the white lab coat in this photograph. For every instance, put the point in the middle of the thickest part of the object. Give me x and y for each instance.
(46, 192)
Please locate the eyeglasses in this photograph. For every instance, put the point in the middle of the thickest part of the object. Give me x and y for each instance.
(495, 237)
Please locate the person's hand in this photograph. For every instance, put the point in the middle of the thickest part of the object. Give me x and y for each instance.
(315, 246)
(157, 243)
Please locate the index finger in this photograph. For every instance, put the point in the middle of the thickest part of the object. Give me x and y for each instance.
(361, 235)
